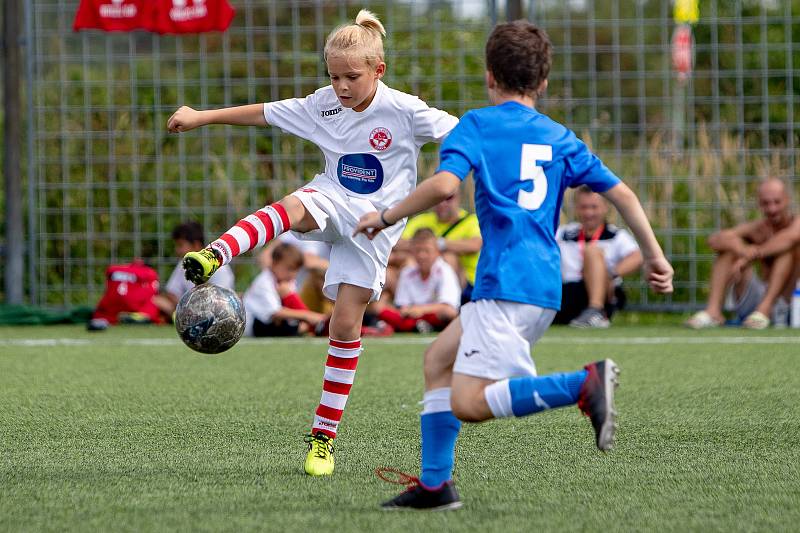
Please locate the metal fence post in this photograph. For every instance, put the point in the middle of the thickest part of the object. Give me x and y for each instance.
(33, 282)
(11, 160)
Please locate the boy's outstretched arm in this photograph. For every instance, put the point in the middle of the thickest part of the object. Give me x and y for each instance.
(432, 191)
(658, 271)
(186, 118)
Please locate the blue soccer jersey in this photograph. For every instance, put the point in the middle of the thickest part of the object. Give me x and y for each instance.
(523, 162)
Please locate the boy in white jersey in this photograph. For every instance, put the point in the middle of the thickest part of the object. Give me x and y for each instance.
(428, 292)
(371, 136)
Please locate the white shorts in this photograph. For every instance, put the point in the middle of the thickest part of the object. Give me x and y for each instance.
(354, 260)
(497, 336)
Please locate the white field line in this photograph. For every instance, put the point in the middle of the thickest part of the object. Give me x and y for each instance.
(408, 340)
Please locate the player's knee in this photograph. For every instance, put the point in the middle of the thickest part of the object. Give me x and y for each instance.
(292, 205)
(345, 328)
(300, 218)
(469, 407)
(465, 410)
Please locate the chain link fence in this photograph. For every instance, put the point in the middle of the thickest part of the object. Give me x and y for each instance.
(107, 183)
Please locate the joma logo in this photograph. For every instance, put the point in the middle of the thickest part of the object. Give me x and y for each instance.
(330, 112)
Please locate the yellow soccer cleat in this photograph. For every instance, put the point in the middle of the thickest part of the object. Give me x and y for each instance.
(199, 266)
(319, 461)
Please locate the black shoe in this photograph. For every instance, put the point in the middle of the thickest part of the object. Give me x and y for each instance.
(596, 400)
(97, 324)
(418, 497)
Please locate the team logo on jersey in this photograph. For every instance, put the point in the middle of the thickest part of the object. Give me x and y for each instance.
(360, 173)
(327, 113)
(380, 138)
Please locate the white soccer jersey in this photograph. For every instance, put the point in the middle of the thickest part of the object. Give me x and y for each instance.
(616, 243)
(370, 154)
(442, 286)
(177, 284)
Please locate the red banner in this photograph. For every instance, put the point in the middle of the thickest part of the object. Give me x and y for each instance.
(161, 16)
(193, 16)
(115, 15)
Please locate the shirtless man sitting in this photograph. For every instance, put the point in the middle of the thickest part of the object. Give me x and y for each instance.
(737, 250)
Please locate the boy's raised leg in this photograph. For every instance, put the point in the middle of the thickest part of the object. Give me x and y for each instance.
(253, 231)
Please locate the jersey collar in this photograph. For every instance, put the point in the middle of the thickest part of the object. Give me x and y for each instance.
(513, 103)
(368, 111)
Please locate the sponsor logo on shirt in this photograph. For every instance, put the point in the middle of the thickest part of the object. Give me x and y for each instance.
(326, 113)
(380, 139)
(360, 173)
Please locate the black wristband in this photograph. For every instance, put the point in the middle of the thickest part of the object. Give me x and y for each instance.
(383, 218)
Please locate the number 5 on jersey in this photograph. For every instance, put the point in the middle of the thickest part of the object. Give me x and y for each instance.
(530, 170)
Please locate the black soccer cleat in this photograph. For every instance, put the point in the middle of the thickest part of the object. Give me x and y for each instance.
(417, 497)
(596, 400)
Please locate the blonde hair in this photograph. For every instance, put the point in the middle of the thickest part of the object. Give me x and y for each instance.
(363, 39)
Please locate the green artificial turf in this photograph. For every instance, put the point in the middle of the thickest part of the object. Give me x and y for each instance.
(127, 430)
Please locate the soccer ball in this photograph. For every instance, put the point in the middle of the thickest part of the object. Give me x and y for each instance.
(210, 319)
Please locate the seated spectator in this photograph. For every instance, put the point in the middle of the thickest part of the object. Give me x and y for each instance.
(459, 238)
(786, 240)
(428, 293)
(271, 303)
(595, 255)
(768, 242)
(187, 237)
(311, 277)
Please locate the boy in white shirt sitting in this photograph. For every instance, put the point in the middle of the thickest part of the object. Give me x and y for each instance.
(273, 307)
(428, 293)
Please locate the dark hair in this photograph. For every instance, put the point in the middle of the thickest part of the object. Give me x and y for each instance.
(423, 234)
(189, 231)
(287, 253)
(583, 189)
(519, 56)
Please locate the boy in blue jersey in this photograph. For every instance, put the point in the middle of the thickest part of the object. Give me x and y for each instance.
(480, 367)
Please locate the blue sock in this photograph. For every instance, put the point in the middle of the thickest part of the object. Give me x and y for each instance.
(533, 394)
(439, 432)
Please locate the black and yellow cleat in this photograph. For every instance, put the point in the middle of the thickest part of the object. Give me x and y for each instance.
(319, 461)
(199, 266)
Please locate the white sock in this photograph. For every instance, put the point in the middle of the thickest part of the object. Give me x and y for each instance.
(436, 401)
(498, 396)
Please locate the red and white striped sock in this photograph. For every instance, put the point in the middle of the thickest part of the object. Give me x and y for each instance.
(252, 231)
(340, 369)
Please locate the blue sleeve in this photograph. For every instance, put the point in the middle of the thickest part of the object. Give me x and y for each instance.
(461, 149)
(585, 168)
